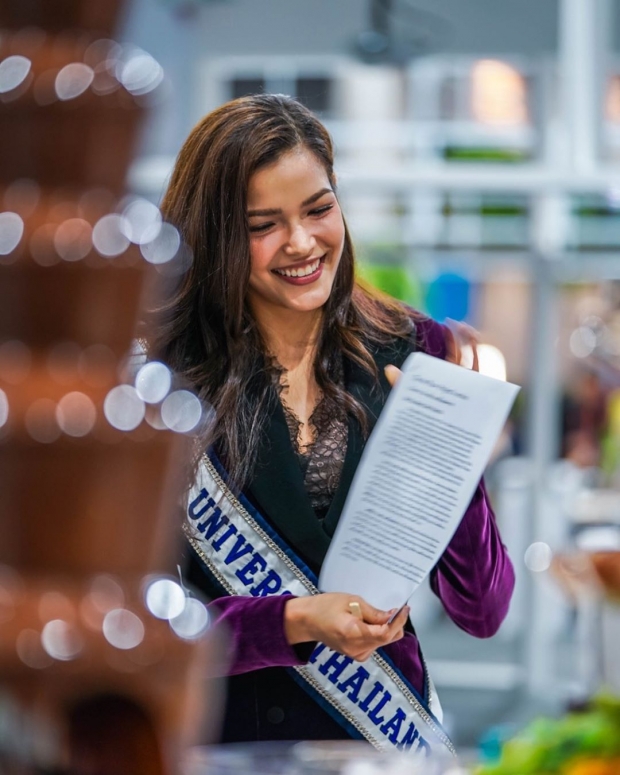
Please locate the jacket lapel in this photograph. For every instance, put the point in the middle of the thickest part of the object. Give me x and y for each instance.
(278, 490)
(364, 388)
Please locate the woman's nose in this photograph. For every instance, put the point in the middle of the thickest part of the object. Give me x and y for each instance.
(301, 242)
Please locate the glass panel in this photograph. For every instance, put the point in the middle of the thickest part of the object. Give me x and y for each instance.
(595, 222)
(315, 93)
(241, 87)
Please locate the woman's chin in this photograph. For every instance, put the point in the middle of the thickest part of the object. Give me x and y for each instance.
(299, 300)
(309, 302)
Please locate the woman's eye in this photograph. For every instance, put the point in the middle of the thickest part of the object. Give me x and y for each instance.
(321, 210)
(260, 228)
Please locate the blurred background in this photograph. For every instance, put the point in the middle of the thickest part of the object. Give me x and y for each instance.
(478, 157)
(478, 160)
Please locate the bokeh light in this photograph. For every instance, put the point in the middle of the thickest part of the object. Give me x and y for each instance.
(11, 231)
(104, 82)
(73, 80)
(153, 418)
(139, 72)
(165, 599)
(193, 621)
(499, 93)
(582, 342)
(153, 382)
(102, 49)
(73, 239)
(4, 408)
(123, 408)
(76, 414)
(181, 411)
(538, 557)
(109, 235)
(123, 629)
(161, 243)
(106, 593)
(141, 219)
(13, 71)
(491, 360)
(61, 640)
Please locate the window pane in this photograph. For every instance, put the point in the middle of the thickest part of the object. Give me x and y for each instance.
(241, 87)
(315, 93)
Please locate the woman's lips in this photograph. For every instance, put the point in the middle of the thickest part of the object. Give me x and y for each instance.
(306, 279)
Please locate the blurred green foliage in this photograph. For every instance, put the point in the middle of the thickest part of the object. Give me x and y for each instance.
(577, 744)
(384, 266)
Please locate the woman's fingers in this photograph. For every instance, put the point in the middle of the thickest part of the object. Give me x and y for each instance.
(372, 615)
(465, 333)
(475, 364)
(453, 350)
(346, 623)
(399, 622)
(459, 335)
(393, 374)
(387, 633)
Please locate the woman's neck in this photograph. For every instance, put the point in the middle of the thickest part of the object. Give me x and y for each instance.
(290, 336)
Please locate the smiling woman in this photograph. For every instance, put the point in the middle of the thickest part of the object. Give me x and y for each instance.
(296, 236)
(271, 328)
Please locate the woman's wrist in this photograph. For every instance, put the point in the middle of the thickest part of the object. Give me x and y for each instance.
(296, 623)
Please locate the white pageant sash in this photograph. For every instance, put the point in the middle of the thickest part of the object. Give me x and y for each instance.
(245, 556)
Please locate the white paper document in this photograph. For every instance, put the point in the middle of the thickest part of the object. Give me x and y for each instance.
(418, 473)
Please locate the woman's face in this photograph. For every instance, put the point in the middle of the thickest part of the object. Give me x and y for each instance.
(296, 234)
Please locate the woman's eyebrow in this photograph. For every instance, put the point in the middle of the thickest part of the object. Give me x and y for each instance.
(316, 196)
(276, 211)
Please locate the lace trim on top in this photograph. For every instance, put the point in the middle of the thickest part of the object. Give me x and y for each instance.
(321, 460)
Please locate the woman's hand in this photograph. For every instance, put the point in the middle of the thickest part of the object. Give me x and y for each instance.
(328, 618)
(461, 335)
(458, 335)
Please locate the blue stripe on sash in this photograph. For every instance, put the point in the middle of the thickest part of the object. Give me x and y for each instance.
(422, 700)
(264, 525)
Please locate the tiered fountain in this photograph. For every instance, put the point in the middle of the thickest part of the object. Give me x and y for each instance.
(101, 651)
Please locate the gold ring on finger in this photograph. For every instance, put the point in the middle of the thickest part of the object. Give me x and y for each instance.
(356, 609)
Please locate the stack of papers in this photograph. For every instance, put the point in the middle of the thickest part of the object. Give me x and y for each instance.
(418, 473)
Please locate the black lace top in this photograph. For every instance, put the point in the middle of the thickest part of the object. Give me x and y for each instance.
(320, 461)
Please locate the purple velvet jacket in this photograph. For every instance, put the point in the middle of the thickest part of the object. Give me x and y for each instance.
(474, 580)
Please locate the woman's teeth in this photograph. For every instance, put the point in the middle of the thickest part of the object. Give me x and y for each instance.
(301, 272)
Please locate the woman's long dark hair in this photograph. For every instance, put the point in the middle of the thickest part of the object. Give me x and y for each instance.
(205, 331)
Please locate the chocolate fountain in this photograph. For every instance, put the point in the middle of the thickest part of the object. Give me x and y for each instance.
(102, 650)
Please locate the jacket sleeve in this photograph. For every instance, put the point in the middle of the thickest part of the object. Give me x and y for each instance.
(255, 628)
(252, 628)
(474, 579)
